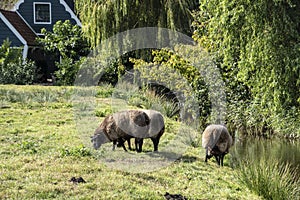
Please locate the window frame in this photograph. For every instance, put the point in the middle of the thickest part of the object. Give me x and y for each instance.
(34, 12)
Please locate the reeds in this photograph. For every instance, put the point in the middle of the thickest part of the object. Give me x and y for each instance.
(270, 179)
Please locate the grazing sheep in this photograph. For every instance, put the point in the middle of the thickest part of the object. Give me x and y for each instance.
(217, 141)
(122, 126)
(119, 127)
(155, 130)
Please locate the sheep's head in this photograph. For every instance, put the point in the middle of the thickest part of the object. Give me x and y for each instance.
(98, 139)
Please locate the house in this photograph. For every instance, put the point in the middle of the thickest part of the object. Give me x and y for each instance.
(22, 21)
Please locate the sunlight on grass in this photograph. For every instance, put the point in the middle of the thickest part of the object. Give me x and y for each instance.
(41, 148)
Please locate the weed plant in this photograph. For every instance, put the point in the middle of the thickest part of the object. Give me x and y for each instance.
(270, 179)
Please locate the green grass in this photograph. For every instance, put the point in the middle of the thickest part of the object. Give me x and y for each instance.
(41, 148)
(270, 179)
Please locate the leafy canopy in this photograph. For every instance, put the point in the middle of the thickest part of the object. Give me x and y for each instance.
(256, 44)
(67, 41)
(103, 18)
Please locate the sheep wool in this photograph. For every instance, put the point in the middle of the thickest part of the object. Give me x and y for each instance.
(127, 124)
(217, 141)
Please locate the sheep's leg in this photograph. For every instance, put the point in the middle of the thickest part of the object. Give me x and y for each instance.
(124, 147)
(139, 144)
(222, 158)
(136, 144)
(206, 155)
(114, 145)
(129, 144)
(121, 143)
(155, 143)
(217, 159)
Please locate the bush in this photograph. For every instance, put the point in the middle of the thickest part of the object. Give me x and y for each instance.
(104, 91)
(67, 71)
(13, 68)
(66, 40)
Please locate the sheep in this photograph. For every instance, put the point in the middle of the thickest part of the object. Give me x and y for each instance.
(119, 127)
(217, 141)
(155, 130)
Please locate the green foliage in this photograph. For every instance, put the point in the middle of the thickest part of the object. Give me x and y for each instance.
(78, 151)
(172, 71)
(67, 70)
(29, 146)
(257, 48)
(67, 41)
(270, 179)
(13, 68)
(104, 91)
(190, 73)
(103, 112)
(7, 4)
(104, 18)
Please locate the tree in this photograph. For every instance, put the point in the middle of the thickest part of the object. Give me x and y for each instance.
(67, 41)
(257, 48)
(104, 18)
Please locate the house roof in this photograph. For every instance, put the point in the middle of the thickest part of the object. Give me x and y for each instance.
(20, 28)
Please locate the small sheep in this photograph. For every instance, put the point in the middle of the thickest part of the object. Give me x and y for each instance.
(119, 127)
(155, 130)
(217, 141)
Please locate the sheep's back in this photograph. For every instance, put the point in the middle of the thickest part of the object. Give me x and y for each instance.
(131, 122)
(216, 136)
(210, 136)
(156, 125)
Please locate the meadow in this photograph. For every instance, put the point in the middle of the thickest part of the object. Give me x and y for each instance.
(41, 149)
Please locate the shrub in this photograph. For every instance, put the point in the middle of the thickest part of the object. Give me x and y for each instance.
(104, 91)
(13, 68)
(171, 69)
(103, 112)
(67, 71)
(66, 40)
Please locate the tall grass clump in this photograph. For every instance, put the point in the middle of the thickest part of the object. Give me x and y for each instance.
(270, 179)
(146, 98)
(151, 100)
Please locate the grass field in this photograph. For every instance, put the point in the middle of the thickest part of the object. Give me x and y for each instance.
(41, 149)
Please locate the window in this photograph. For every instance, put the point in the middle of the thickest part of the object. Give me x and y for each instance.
(42, 13)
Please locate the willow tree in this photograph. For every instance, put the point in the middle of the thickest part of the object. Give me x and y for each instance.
(103, 18)
(257, 46)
